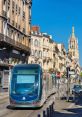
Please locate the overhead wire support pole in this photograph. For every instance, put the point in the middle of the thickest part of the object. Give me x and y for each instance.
(68, 83)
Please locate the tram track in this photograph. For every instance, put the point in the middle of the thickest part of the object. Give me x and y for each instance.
(6, 111)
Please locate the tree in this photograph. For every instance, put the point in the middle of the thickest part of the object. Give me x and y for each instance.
(80, 74)
(51, 70)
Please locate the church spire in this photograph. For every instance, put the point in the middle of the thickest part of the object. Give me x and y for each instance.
(73, 45)
(73, 34)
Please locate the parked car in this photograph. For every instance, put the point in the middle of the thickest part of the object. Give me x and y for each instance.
(77, 89)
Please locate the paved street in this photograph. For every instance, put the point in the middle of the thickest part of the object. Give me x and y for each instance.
(7, 111)
(62, 109)
(68, 109)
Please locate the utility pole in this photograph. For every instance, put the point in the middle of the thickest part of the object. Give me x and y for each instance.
(58, 79)
(68, 83)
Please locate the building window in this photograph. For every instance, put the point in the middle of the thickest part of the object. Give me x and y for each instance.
(44, 53)
(36, 42)
(12, 34)
(18, 36)
(23, 30)
(31, 41)
(40, 54)
(32, 52)
(16, 8)
(31, 62)
(47, 62)
(36, 53)
(23, 15)
(40, 63)
(8, 31)
(19, 10)
(13, 6)
(4, 2)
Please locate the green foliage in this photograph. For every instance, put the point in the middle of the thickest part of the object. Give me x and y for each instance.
(81, 74)
(51, 70)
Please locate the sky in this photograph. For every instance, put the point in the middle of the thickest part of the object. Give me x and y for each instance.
(56, 18)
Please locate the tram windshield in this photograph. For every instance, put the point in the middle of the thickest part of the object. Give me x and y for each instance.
(24, 81)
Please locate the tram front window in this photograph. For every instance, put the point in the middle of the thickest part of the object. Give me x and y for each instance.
(25, 83)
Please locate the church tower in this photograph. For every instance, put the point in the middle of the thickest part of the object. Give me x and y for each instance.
(73, 46)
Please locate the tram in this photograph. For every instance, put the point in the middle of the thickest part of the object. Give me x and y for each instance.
(29, 86)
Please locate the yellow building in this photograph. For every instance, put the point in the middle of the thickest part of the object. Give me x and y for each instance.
(36, 46)
(62, 58)
(15, 21)
(55, 57)
(41, 49)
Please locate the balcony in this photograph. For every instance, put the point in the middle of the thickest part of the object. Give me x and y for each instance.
(8, 41)
(45, 46)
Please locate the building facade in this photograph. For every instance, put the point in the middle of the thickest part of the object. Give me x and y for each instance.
(41, 49)
(61, 58)
(15, 21)
(47, 53)
(36, 47)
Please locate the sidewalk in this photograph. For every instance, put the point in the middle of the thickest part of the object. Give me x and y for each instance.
(4, 95)
(62, 107)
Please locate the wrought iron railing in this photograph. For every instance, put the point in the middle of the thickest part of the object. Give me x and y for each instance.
(14, 42)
